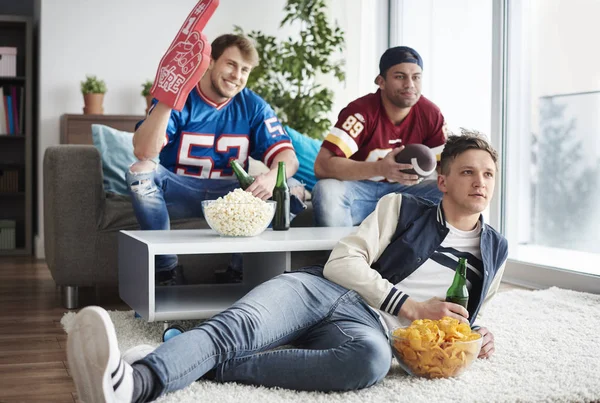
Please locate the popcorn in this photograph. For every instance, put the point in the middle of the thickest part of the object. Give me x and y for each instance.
(238, 213)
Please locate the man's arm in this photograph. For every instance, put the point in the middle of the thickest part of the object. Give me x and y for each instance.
(433, 308)
(350, 266)
(350, 261)
(291, 163)
(270, 144)
(263, 184)
(150, 137)
(329, 165)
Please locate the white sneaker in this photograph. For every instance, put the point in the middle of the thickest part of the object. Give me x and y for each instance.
(94, 358)
(136, 353)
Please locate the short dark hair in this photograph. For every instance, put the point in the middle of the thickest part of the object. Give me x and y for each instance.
(243, 43)
(458, 144)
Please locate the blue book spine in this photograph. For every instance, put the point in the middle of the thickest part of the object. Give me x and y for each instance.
(9, 108)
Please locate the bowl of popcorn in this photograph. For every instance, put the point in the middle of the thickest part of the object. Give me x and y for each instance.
(238, 213)
(435, 348)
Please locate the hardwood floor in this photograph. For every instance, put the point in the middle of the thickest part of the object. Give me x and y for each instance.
(33, 362)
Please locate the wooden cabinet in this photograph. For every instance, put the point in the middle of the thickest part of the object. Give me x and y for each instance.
(77, 129)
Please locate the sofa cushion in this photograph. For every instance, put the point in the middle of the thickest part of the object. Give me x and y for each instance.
(116, 153)
(306, 151)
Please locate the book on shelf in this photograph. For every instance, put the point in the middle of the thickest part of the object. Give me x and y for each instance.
(11, 110)
(15, 112)
(22, 110)
(3, 126)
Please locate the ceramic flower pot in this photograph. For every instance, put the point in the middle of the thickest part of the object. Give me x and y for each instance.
(93, 104)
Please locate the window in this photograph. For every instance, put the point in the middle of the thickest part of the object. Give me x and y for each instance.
(552, 138)
(519, 70)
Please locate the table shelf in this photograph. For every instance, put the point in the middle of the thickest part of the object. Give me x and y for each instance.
(265, 256)
(196, 301)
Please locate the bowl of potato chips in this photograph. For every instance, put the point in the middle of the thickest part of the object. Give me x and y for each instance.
(435, 348)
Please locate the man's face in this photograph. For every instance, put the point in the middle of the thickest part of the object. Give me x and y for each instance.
(469, 184)
(229, 73)
(402, 84)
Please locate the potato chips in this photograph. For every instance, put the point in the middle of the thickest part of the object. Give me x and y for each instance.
(436, 348)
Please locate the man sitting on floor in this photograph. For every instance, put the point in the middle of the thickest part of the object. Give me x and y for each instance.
(396, 268)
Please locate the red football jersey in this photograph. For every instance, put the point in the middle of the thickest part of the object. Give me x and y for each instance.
(364, 132)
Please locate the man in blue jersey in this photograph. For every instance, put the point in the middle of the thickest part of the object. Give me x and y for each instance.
(221, 121)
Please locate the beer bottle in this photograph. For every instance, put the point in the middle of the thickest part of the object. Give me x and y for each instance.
(242, 176)
(281, 194)
(458, 292)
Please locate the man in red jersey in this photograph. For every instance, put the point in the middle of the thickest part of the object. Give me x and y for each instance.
(356, 164)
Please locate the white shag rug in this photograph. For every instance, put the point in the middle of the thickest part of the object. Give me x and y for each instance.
(547, 350)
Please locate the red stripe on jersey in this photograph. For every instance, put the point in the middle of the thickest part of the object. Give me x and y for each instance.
(333, 148)
(275, 149)
(209, 101)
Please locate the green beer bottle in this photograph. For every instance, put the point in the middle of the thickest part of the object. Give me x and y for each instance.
(281, 194)
(458, 292)
(242, 176)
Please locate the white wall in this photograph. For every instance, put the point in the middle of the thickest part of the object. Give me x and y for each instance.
(122, 41)
(454, 38)
(365, 25)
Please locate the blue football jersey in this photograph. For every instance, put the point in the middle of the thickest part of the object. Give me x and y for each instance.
(204, 137)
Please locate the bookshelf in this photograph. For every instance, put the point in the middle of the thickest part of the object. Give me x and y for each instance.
(16, 153)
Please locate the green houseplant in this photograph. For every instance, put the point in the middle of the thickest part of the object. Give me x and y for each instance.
(287, 75)
(93, 91)
(146, 86)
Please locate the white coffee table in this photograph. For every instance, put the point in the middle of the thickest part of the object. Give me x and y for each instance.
(265, 256)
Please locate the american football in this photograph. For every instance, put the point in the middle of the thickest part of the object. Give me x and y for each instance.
(420, 156)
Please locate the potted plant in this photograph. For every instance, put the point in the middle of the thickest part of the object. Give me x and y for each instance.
(288, 74)
(146, 93)
(93, 91)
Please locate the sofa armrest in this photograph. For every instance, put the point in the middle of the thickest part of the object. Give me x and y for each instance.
(73, 202)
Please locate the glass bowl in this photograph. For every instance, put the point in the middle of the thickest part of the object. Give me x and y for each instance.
(430, 360)
(238, 219)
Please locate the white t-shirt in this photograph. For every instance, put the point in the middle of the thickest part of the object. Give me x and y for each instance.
(433, 277)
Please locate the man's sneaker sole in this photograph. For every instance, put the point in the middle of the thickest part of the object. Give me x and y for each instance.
(88, 355)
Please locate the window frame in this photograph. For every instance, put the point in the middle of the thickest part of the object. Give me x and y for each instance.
(509, 98)
(508, 78)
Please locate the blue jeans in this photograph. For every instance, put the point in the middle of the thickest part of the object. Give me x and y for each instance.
(160, 196)
(334, 341)
(339, 203)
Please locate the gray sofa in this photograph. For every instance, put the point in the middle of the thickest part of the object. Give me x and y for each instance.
(81, 223)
